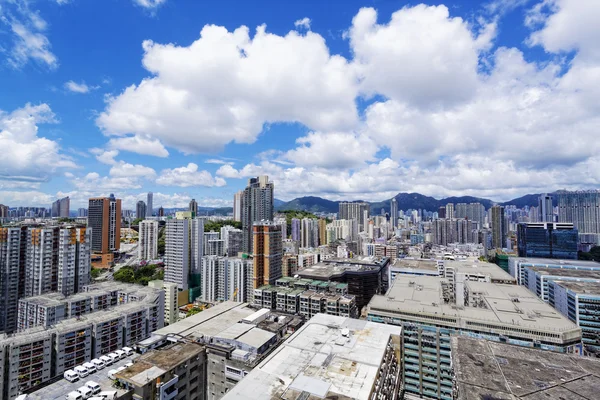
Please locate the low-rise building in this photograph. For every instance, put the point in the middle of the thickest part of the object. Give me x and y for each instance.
(174, 372)
(430, 312)
(489, 370)
(329, 357)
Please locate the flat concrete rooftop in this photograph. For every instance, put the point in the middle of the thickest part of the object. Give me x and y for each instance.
(413, 263)
(423, 295)
(549, 261)
(319, 362)
(574, 273)
(490, 370)
(582, 288)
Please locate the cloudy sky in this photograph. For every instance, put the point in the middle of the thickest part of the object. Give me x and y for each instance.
(341, 99)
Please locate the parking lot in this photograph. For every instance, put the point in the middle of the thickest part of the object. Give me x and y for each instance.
(60, 389)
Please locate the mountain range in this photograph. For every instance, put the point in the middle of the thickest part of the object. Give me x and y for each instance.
(405, 201)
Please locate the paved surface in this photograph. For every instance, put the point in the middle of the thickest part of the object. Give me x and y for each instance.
(60, 389)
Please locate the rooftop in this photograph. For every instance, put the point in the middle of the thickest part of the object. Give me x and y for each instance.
(549, 261)
(581, 288)
(423, 297)
(490, 370)
(337, 266)
(480, 267)
(210, 322)
(155, 363)
(416, 263)
(320, 361)
(573, 273)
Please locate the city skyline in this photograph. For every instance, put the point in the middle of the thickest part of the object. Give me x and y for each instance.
(80, 126)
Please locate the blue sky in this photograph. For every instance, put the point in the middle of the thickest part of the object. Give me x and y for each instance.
(340, 99)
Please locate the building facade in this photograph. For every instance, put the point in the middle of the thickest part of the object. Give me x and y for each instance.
(582, 209)
(267, 254)
(104, 217)
(257, 205)
(547, 240)
(184, 249)
(148, 240)
(498, 227)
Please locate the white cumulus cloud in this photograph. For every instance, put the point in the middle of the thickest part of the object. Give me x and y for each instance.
(188, 176)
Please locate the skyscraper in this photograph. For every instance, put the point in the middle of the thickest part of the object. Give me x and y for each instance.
(322, 231)
(161, 211)
(149, 205)
(140, 210)
(268, 253)
(257, 206)
(184, 250)
(442, 212)
(104, 217)
(358, 211)
(296, 229)
(74, 260)
(582, 209)
(3, 211)
(546, 209)
(309, 233)
(394, 212)
(193, 208)
(498, 227)
(450, 210)
(61, 208)
(148, 240)
(237, 205)
(12, 260)
(82, 212)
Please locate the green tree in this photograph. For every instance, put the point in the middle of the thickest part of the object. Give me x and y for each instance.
(217, 225)
(125, 274)
(592, 255)
(96, 272)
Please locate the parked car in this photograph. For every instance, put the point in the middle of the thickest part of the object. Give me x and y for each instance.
(128, 350)
(71, 376)
(94, 387)
(86, 393)
(106, 360)
(98, 363)
(90, 367)
(81, 371)
(74, 395)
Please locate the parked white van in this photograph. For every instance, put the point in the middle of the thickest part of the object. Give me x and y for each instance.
(113, 356)
(128, 350)
(81, 371)
(85, 391)
(74, 396)
(71, 376)
(94, 387)
(90, 367)
(108, 394)
(106, 360)
(98, 363)
(111, 373)
(121, 354)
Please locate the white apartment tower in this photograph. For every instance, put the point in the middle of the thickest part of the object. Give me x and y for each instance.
(148, 240)
(394, 212)
(74, 259)
(183, 249)
(11, 259)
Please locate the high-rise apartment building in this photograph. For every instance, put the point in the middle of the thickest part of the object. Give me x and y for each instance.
(161, 211)
(268, 253)
(3, 211)
(442, 212)
(582, 208)
(61, 208)
(237, 205)
(450, 211)
(546, 209)
(471, 211)
(57, 259)
(282, 221)
(394, 212)
(140, 210)
(232, 240)
(74, 260)
(148, 240)
(357, 211)
(257, 206)
(498, 227)
(309, 233)
(104, 217)
(82, 212)
(193, 208)
(184, 250)
(226, 278)
(548, 240)
(322, 231)
(12, 259)
(446, 231)
(149, 205)
(296, 229)
(342, 229)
